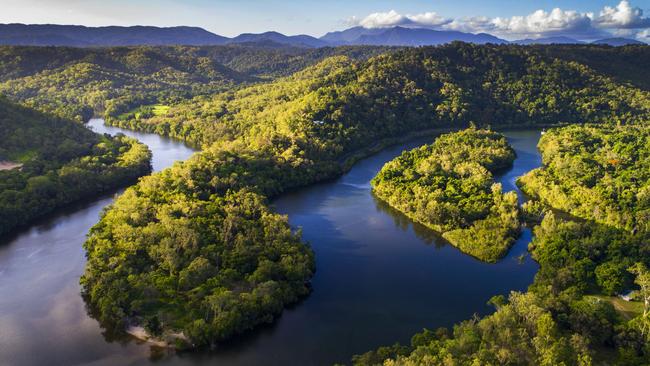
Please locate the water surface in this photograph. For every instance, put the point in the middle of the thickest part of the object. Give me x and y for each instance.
(379, 278)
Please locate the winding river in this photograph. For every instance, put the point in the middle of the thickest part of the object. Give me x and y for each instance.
(380, 278)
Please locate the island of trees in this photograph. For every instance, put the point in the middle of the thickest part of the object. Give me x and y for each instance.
(57, 162)
(448, 186)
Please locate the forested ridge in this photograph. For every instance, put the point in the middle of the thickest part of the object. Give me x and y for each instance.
(61, 162)
(79, 82)
(424, 88)
(448, 186)
(263, 139)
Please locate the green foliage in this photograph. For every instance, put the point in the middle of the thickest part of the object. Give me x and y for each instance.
(342, 103)
(62, 162)
(209, 268)
(521, 332)
(197, 247)
(448, 186)
(79, 82)
(579, 261)
(597, 173)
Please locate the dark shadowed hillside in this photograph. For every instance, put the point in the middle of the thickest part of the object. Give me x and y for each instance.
(80, 36)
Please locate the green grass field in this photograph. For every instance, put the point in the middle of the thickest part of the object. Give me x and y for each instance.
(628, 309)
(145, 111)
(160, 109)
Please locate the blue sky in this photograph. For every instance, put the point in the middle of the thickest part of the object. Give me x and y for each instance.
(507, 18)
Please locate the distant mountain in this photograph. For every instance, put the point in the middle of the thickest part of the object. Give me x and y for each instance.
(618, 41)
(400, 36)
(548, 40)
(299, 40)
(81, 36)
(348, 36)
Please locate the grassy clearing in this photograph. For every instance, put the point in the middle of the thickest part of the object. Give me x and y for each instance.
(628, 309)
(160, 109)
(145, 111)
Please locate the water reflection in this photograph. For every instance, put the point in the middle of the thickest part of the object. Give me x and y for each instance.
(402, 221)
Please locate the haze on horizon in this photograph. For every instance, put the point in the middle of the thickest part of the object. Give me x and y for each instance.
(509, 19)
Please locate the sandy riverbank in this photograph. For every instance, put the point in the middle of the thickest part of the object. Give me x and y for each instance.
(8, 165)
(141, 334)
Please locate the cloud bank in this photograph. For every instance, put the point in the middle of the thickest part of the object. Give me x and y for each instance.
(393, 18)
(623, 19)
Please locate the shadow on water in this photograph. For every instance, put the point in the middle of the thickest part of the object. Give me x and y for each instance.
(404, 223)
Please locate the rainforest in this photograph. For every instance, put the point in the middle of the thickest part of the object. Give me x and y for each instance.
(204, 253)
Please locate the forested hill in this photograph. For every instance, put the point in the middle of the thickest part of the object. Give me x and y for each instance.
(625, 64)
(76, 82)
(351, 103)
(81, 36)
(56, 162)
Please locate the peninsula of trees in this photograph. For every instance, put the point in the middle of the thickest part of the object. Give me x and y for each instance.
(448, 186)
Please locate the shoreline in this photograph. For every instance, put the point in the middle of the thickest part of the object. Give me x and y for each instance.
(9, 165)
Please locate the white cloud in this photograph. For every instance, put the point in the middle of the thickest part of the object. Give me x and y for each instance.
(623, 16)
(623, 19)
(431, 19)
(644, 36)
(472, 24)
(541, 22)
(393, 18)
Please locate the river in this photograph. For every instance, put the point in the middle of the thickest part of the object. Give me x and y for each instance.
(380, 278)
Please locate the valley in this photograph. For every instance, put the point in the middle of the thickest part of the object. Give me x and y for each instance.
(289, 219)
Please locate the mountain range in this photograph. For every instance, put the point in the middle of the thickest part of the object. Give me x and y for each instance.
(81, 36)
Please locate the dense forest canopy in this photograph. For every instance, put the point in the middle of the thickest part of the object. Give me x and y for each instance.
(263, 139)
(196, 250)
(600, 173)
(79, 82)
(347, 103)
(448, 186)
(61, 162)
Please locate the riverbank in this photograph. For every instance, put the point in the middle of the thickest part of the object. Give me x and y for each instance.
(9, 165)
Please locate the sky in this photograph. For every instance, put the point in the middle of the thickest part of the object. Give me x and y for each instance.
(509, 19)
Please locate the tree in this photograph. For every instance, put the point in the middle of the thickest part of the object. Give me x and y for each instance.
(643, 280)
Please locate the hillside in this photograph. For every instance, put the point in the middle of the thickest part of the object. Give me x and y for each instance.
(79, 82)
(59, 162)
(429, 87)
(265, 139)
(617, 41)
(296, 41)
(81, 36)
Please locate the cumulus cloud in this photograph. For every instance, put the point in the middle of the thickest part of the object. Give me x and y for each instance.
(644, 36)
(623, 16)
(393, 18)
(622, 19)
(541, 22)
